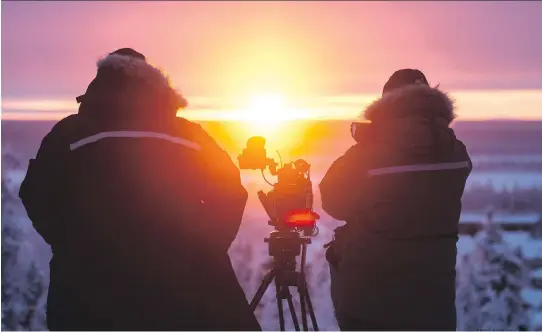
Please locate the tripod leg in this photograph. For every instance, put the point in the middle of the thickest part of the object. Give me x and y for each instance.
(301, 289)
(311, 309)
(261, 290)
(279, 306)
(292, 308)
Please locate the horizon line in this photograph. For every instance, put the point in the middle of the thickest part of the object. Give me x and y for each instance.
(520, 105)
(463, 120)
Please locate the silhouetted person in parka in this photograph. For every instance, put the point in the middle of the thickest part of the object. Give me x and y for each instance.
(139, 207)
(399, 190)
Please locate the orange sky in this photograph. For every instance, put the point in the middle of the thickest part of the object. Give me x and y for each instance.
(327, 59)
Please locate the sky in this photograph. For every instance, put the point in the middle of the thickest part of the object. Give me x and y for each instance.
(329, 59)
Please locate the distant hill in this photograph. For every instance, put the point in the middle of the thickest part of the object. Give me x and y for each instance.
(501, 137)
(481, 137)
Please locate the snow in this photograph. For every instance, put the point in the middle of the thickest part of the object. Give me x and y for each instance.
(518, 239)
(532, 296)
(531, 248)
(537, 321)
(502, 217)
(24, 284)
(16, 176)
(536, 273)
(465, 244)
(490, 279)
(250, 258)
(503, 180)
(493, 158)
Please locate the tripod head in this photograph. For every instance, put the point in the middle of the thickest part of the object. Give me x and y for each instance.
(286, 245)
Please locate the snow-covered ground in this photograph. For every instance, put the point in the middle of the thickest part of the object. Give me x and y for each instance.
(525, 217)
(530, 248)
(504, 158)
(504, 180)
(250, 247)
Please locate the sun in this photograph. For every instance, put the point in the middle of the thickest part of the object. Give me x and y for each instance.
(267, 109)
(265, 112)
(272, 116)
(267, 101)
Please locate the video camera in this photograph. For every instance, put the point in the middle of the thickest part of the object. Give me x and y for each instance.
(289, 204)
(289, 207)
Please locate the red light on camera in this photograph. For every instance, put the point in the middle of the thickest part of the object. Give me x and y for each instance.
(301, 218)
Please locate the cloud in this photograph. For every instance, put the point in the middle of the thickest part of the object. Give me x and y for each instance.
(50, 48)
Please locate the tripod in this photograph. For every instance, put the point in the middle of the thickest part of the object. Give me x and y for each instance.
(284, 247)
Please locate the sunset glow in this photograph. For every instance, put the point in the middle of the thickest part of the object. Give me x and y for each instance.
(166, 143)
(268, 55)
(268, 112)
(269, 115)
(265, 111)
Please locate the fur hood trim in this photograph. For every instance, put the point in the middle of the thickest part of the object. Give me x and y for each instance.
(142, 70)
(411, 100)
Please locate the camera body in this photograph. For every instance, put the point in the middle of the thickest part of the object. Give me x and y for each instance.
(289, 204)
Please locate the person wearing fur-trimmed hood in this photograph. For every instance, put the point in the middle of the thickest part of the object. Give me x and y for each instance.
(399, 190)
(140, 207)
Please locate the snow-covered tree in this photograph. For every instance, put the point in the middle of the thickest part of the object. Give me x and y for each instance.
(489, 282)
(24, 287)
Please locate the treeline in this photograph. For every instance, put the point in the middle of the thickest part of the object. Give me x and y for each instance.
(24, 285)
(483, 196)
(509, 165)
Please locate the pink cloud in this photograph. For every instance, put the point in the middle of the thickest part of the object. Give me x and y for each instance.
(50, 48)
